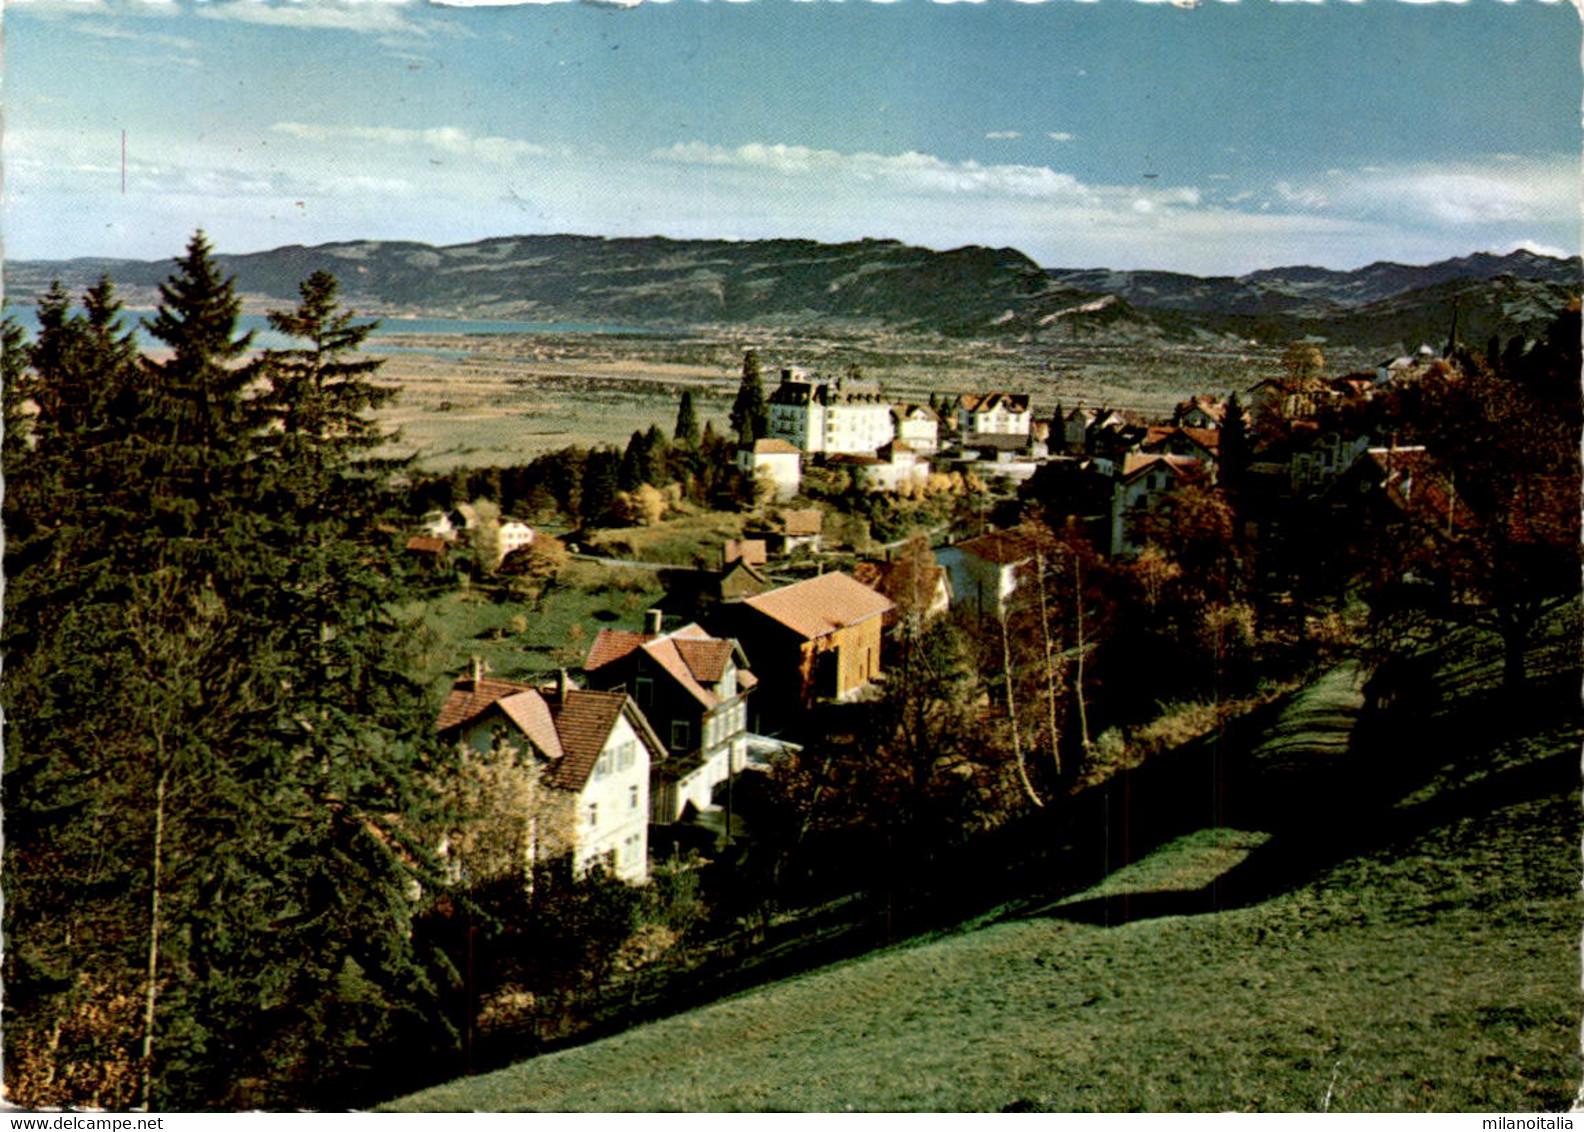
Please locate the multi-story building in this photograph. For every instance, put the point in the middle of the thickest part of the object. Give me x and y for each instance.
(819, 415)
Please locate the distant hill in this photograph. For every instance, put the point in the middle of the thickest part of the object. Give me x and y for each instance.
(874, 285)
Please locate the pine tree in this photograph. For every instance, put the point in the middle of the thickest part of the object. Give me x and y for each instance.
(750, 417)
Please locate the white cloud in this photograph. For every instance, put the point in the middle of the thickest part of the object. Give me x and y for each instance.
(1062, 136)
(105, 31)
(441, 139)
(380, 17)
(907, 172)
(1004, 135)
(1454, 195)
(1542, 249)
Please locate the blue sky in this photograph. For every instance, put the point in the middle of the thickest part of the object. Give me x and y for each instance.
(1217, 138)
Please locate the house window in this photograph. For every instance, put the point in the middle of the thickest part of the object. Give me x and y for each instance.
(632, 797)
(681, 735)
(626, 755)
(593, 814)
(604, 765)
(645, 689)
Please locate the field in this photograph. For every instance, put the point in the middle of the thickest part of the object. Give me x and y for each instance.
(1404, 938)
(525, 639)
(470, 400)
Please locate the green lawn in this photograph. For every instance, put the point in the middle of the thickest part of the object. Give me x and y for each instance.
(519, 640)
(1432, 966)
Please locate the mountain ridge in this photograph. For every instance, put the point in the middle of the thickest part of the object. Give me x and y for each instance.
(867, 285)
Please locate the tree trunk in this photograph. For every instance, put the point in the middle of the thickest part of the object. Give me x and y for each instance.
(1082, 646)
(1050, 667)
(1017, 738)
(151, 990)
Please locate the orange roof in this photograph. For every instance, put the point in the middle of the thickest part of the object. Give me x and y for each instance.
(707, 660)
(611, 645)
(820, 606)
(753, 551)
(1137, 463)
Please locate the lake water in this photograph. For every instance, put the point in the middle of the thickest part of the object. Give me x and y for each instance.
(266, 338)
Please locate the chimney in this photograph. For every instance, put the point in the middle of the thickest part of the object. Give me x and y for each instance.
(478, 672)
(653, 619)
(561, 683)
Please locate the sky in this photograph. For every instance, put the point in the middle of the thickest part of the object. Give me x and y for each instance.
(1207, 136)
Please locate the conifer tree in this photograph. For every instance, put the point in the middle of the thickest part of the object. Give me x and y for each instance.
(686, 432)
(213, 689)
(750, 417)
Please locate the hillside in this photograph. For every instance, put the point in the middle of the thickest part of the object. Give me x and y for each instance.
(1403, 940)
(865, 285)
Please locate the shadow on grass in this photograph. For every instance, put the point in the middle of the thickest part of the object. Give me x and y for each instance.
(1397, 776)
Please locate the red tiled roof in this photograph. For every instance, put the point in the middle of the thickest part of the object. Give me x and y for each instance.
(611, 645)
(427, 544)
(583, 720)
(469, 699)
(667, 653)
(819, 606)
(707, 660)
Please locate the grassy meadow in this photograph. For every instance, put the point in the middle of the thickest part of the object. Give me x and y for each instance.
(1404, 940)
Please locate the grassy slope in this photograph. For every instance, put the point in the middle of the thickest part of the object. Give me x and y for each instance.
(1433, 969)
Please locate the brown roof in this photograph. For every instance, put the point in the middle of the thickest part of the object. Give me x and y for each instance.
(774, 446)
(468, 699)
(1003, 548)
(752, 551)
(984, 402)
(523, 704)
(667, 653)
(569, 729)
(810, 521)
(427, 544)
(819, 606)
(611, 645)
(583, 720)
(1207, 438)
(529, 711)
(707, 660)
(1137, 463)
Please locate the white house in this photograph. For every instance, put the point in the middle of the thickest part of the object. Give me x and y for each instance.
(917, 426)
(818, 415)
(780, 461)
(514, 535)
(983, 571)
(996, 413)
(592, 752)
(895, 467)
